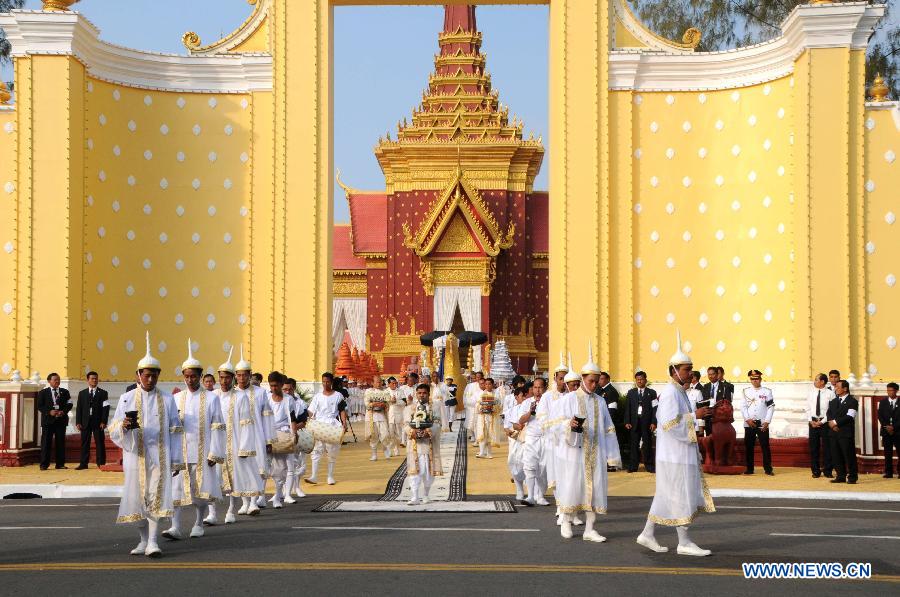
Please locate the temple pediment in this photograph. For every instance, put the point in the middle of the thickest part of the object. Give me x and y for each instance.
(460, 210)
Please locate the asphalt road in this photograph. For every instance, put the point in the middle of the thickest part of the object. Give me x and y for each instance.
(450, 554)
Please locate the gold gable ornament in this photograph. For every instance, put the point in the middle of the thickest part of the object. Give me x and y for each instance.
(879, 90)
(58, 5)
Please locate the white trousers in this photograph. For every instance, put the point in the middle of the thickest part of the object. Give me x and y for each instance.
(423, 480)
(321, 448)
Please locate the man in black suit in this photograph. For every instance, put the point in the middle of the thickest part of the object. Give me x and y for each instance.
(91, 417)
(610, 395)
(640, 422)
(54, 404)
(889, 419)
(717, 389)
(842, 421)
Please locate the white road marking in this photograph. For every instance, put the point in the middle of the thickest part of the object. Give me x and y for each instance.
(718, 507)
(833, 536)
(459, 529)
(57, 505)
(36, 528)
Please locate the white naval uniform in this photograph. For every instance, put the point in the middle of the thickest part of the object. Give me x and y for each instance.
(757, 404)
(681, 491)
(204, 440)
(149, 454)
(586, 457)
(239, 470)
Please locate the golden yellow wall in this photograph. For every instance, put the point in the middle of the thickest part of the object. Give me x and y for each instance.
(167, 225)
(882, 241)
(8, 150)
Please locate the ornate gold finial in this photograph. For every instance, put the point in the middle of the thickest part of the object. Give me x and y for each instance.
(5, 95)
(190, 40)
(692, 37)
(879, 89)
(58, 5)
(252, 2)
(347, 190)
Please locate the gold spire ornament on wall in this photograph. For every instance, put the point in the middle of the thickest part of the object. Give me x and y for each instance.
(58, 5)
(190, 40)
(692, 37)
(879, 89)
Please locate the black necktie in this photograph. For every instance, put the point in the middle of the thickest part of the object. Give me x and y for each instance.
(55, 397)
(818, 404)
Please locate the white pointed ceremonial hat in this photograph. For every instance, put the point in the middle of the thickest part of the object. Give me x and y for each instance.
(148, 362)
(191, 362)
(679, 358)
(572, 375)
(590, 368)
(227, 366)
(242, 364)
(562, 364)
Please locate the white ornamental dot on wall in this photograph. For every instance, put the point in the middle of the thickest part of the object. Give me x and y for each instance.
(89, 257)
(670, 153)
(754, 345)
(102, 176)
(686, 181)
(654, 127)
(654, 181)
(9, 187)
(130, 235)
(129, 290)
(638, 318)
(751, 176)
(890, 156)
(148, 101)
(780, 228)
(210, 319)
(720, 234)
(244, 211)
(638, 99)
(704, 319)
(735, 96)
(7, 308)
(720, 180)
(703, 263)
(115, 206)
(654, 236)
(670, 318)
(196, 130)
(767, 315)
(195, 238)
(736, 261)
(212, 103)
(195, 346)
(753, 289)
(638, 153)
(752, 233)
(179, 210)
(702, 152)
(767, 145)
(686, 126)
(163, 237)
(226, 292)
(115, 261)
(229, 129)
(735, 150)
(146, 263)
(780, 113)
(244, 157)
(211, 210)
(736, 370)
(132, 126)
(870, 123)
(767, 89)
(163, 292)
(179, 265)
(870, 185)
(243, 265)
(670, 99)
(164, 184)
(720, 290)
(179, 318)
(637, 208)
(654, 291)
(720, 346)
(242, 319)
(162, 346)
(145, 318)
(638, 262)
(195, 183)
(9, 127)
(870, 247)
(889, 217)
(211, 264)
(670, 263)
(129, 346)
(752, 120)
(891, 342)
(164, 129)
(117, 151)
(767, 258)
(686, 291)
(702, 207)
(181, 103)
(871, 308)
(701, 98)
(180, 156)
(227, 238)
(90, 200)
(654, 346)
(147, 209)
(781, 286)
(736, 205)
(890, 280)
(148, 155)
(670, 208)
(227, 184)
(99, 343)
(213, 156)
(195, 292)
(102, 119)
(686, 236)
(87, 314)
(132, 181)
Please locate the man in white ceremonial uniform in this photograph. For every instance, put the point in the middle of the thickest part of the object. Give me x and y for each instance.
(407, 395)
(757, 408)
(376, 402)
(297, 464)
(487, 410)
(147, 429)
(204, 448)
(325, 409)
(282, 407)
(423, 422)
(239, 471)
(396, 424)
(681, 491)
(582, 458)
(516, 431)
(265, 433)
(471, 396)
(533, 461)
(553, 426)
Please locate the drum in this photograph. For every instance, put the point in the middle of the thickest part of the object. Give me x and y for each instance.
(305, 441)
(283, 443)
(325, 432)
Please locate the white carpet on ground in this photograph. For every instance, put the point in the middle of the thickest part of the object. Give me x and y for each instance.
(440, 490)
(397, 506)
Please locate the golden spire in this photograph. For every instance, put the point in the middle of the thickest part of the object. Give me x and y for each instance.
(58, 5)
(879, 89)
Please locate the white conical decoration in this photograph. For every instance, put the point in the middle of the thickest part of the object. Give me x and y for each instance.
(148, 362)
(501, 364)
(242, 364)
(191, 362)
(679, 357)
(227, 367)
(590, 368)
(572, 375)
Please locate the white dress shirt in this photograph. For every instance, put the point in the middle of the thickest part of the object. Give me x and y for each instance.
(824, 396)
(757, 405)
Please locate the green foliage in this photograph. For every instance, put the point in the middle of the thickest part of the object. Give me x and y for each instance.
(733, 23)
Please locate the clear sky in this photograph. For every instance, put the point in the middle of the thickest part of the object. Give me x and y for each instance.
(383, 56)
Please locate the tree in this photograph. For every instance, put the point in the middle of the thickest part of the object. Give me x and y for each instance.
(6, 6)
(732, 23)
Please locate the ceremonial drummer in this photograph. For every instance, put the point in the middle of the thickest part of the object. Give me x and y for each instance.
(396, 423)
(147, 429)
(203, 448)
(533, 462)
(681, 491)
(283, 444)
(757, 407)
(582, 458)
(265, 433)
(420, 457)
(377, 432)
(327, 408)
(515, 430)
(239, 472)
(488, 408)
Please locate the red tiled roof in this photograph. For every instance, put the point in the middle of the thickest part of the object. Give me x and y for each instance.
(342, 256)
(540, 221)
(368, 216)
